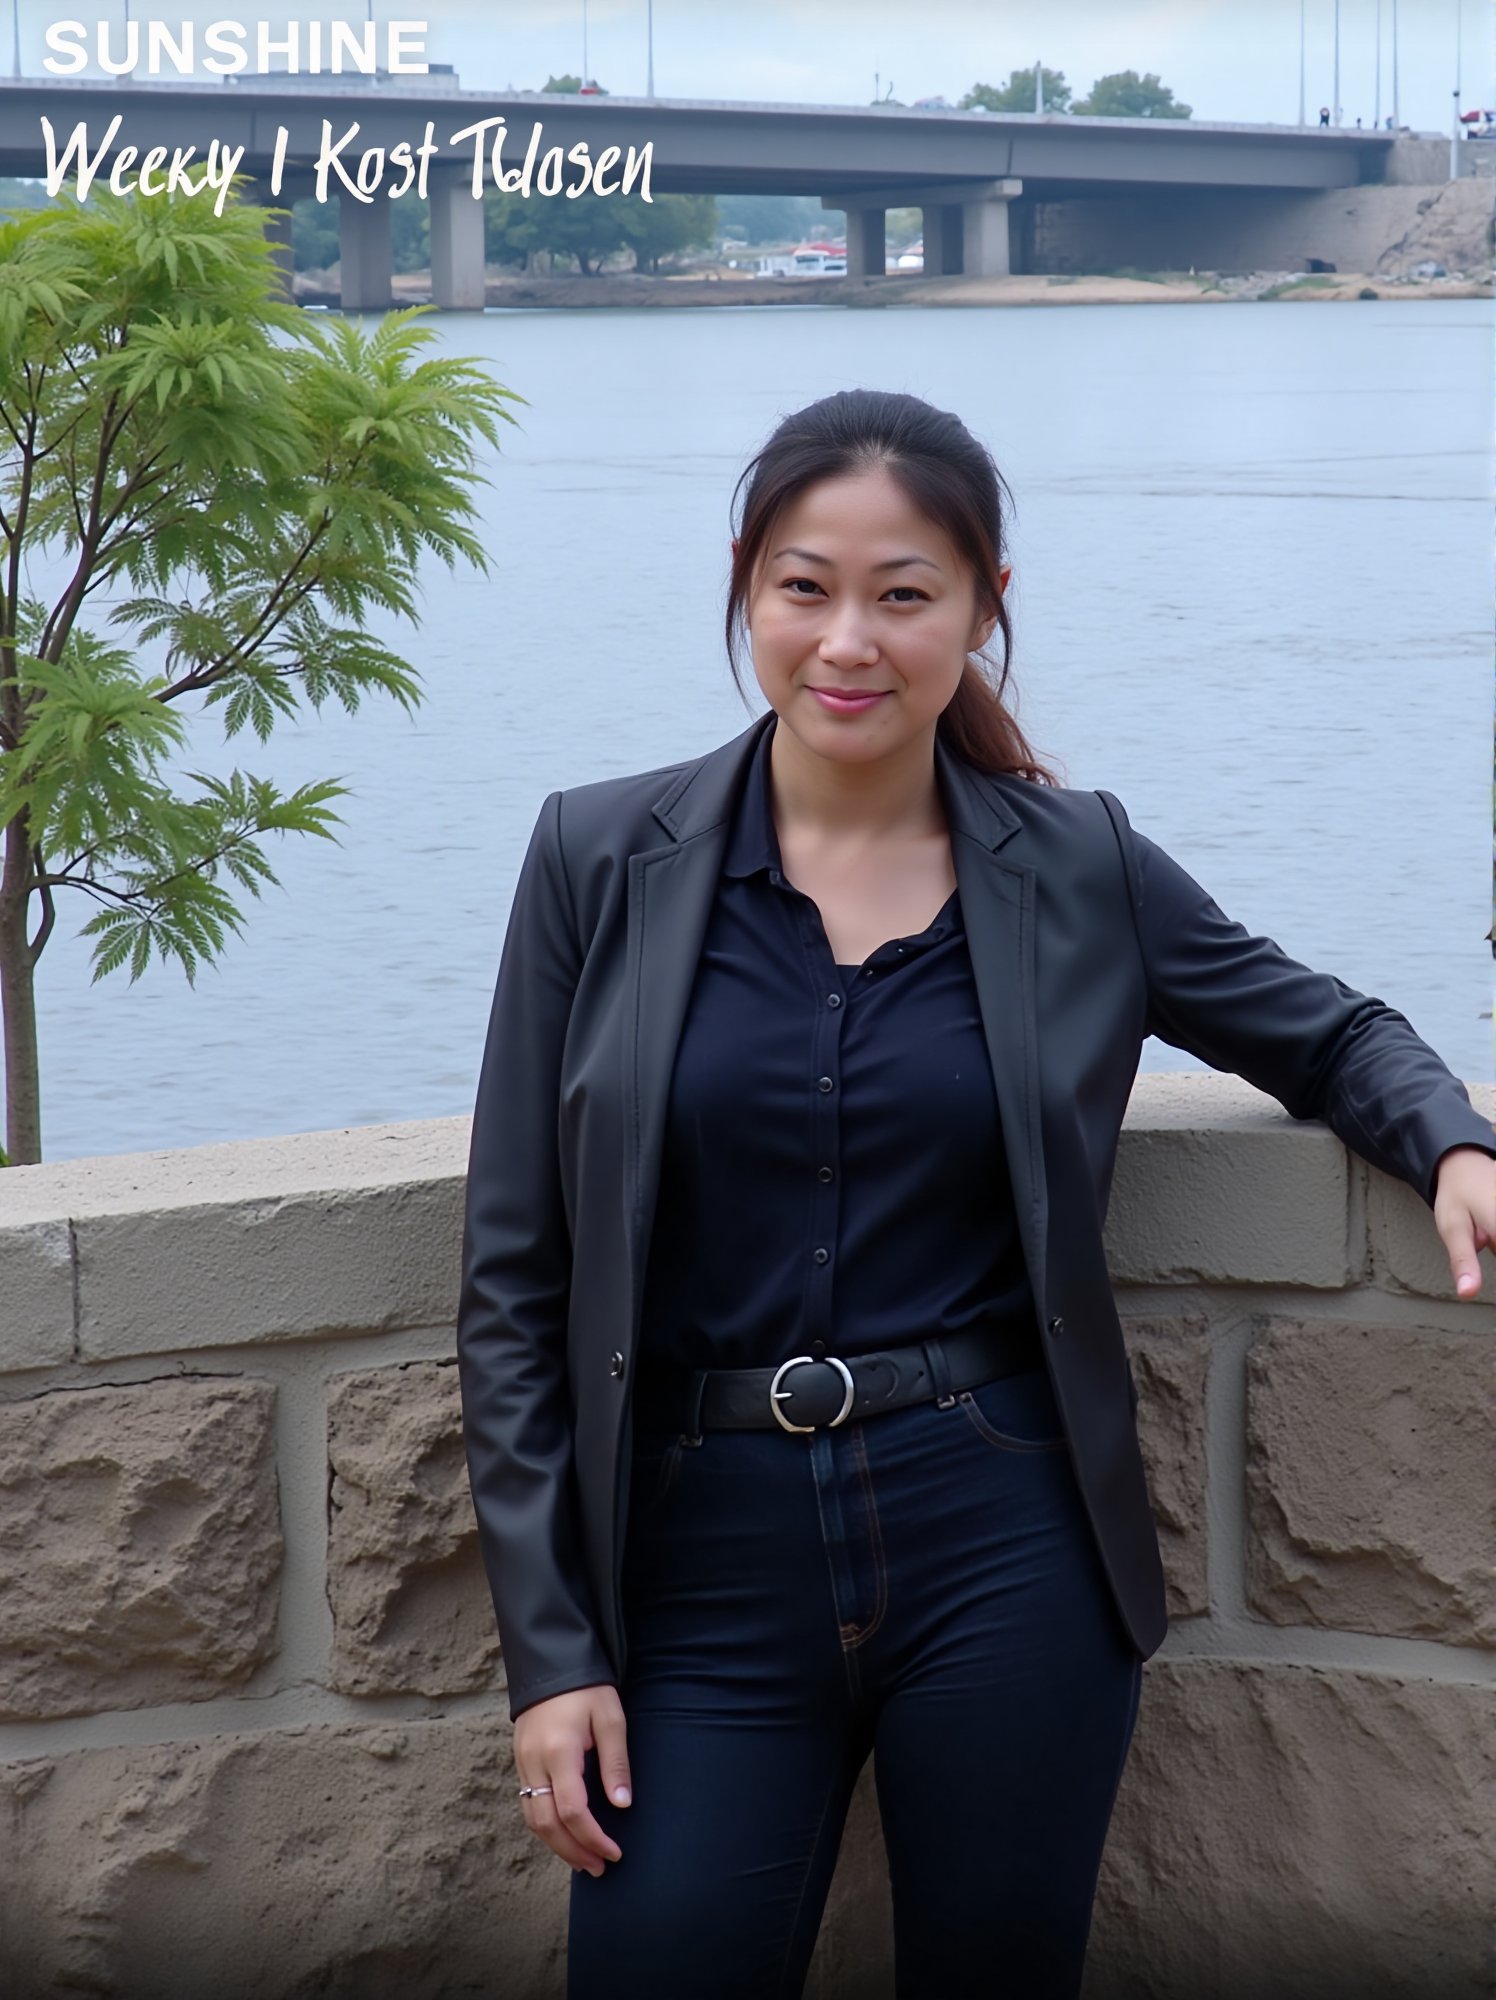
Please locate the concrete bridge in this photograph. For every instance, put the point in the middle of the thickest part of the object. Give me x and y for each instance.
(986, 182)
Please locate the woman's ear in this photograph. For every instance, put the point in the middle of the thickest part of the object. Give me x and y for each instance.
(1002, 580)
(734, 548)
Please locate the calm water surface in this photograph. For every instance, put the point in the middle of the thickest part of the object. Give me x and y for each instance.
(1251, 599)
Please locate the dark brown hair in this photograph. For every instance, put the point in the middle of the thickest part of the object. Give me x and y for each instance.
(953, 482)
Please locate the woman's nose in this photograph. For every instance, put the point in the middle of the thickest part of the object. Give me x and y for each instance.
(847, 636)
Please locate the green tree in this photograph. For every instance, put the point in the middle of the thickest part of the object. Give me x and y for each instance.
(770, 218)
(571, 83)
(1018, 93)
(588, 228)
(244, 486)
(314, 234)
(1128, 95)
(667, 224)
(22, 194)
(595, 227)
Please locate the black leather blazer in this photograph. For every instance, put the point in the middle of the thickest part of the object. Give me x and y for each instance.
(1085, 937)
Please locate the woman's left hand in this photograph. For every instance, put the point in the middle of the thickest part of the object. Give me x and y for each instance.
(1465, 1212)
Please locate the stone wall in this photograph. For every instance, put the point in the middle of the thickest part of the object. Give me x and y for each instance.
(253, 1735)
(1384, 228)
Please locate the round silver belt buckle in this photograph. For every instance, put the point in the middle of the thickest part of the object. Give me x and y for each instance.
(776, 1394)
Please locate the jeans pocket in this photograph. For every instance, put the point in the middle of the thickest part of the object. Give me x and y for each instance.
(1015, 1413)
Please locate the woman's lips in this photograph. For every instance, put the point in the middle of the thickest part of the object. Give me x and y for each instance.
(846, 704)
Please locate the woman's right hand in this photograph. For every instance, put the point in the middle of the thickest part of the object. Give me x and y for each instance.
(551, 1740)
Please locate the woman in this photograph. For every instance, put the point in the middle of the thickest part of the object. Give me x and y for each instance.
(798, 1418)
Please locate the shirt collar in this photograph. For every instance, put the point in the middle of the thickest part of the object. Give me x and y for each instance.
(753, 848)
(753, 843)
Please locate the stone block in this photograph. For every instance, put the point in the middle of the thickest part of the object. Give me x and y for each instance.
(1216, 1184)
(299, 1237)
(410, 1602)
(1299, 1833)
(1170, 1361)
(382, 1862)
(1370, 1501)
(140, 1544)
(36, 1287)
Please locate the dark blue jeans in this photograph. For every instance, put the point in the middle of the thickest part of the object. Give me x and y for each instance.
(922, 1585)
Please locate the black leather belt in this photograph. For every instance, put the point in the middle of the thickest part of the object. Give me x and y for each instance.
(818, 1391)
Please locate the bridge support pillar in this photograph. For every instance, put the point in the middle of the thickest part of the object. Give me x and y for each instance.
(278, 229)
(942, 239)
(365, 254)
(457, 268)
(867, 243)
(986, 250)
(965, 222)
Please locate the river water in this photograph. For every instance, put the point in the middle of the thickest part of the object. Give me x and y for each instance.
(1251, 594)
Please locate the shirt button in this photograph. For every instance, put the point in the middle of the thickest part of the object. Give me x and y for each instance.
(821, 1256)
(825, 1083)
(823, 1173)
(775, 876)
(1057, 1325)
(833, 999)
(615, 1366)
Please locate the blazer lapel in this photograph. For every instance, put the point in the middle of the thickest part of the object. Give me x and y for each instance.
(670, 894)
(999, 907)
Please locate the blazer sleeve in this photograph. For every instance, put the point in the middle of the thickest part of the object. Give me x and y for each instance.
(515, 1288)
(1240, 1003)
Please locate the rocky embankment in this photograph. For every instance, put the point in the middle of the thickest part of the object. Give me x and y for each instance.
(637, 290)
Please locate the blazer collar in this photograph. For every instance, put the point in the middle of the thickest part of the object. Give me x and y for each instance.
(707, 791)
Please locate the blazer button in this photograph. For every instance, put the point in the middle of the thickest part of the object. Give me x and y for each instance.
(615, 1366)
(1057, 1325)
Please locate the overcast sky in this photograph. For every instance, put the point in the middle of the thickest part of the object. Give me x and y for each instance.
(1228, 59)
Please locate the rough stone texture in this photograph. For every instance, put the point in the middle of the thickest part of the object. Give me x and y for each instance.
(1369, 1490)
(140, 1544)
(1451, 225)
(410, 1603)
(297, 1237)
(853, 1958)
(1216, 1184)
(389, 1862)
(1293, 1833)
(1170, 1360)
(1408, 1254)
(36, 1285)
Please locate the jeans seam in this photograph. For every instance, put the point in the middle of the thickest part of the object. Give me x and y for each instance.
(1001, 1440)
(880, 1569)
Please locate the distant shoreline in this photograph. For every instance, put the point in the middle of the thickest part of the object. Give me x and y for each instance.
(640, 290)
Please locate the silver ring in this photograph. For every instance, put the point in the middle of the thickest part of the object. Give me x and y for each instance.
(776, 1394)
(533, 1791)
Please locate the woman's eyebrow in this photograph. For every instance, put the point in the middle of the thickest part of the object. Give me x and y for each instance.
(894, 562)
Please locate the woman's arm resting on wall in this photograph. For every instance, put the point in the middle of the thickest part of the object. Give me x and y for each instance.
(512, 1310)
(1241, 1004)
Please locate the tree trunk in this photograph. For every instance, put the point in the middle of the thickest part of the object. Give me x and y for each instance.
(23, 1110)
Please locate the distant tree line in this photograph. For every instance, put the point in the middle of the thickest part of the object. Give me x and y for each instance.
(1124, 94)
(584, 235)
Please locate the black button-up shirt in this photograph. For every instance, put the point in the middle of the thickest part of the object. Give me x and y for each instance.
(833, 1164)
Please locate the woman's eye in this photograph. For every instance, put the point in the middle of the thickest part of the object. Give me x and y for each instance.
(910, 588)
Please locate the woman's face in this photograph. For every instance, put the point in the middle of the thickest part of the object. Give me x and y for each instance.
(859, 595)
